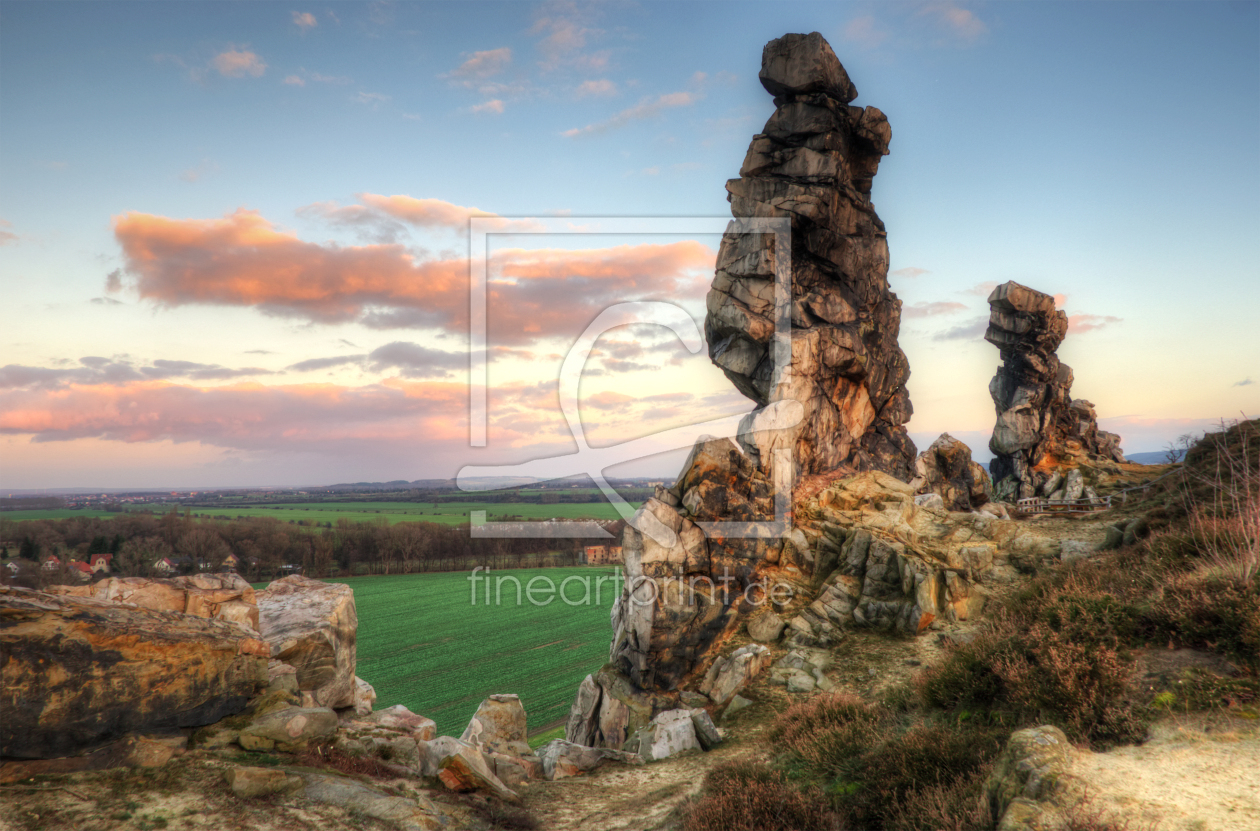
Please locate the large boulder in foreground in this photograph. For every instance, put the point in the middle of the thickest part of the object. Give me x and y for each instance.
(311, 625)
(80, 672)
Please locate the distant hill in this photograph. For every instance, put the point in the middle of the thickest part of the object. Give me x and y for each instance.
(1152, 457)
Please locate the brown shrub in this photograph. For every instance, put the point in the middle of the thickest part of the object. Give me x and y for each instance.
(327, 756)
(746, 796)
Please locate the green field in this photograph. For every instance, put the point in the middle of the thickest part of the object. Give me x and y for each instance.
(423, 644)
(57, 513)
(448, 513)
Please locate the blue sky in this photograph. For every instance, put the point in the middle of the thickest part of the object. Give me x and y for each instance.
(1108, 152)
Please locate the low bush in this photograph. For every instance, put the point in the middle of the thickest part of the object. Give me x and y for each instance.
(747, 796)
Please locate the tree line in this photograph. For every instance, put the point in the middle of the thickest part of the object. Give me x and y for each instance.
(266, 547)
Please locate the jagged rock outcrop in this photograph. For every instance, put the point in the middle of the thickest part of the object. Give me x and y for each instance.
(839, 405)
(814, 162)
(1040, 427)
(311, 625)
(946, 469)
(80, 672)
(886, 562)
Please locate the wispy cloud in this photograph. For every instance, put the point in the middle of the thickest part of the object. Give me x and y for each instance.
(7, 237)
(564, 30)
(197, 171)
(601, 87)
(481, 65)
(371, 98)
(943, 307)
(865, 32)
(294, 81)
(97, 370)
(960, 25)
(1081, 323)
(647, 108)
(113, 281)
(492, 106)
(909, 271)
(972, 330)
(1246, 382)
(237, 63)
(981, 289)
(304, 21)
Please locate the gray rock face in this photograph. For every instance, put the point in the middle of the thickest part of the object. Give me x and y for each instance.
(766, 628)
(563, 759)
(1040, 427)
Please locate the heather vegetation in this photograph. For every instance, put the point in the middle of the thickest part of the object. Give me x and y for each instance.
(1064, 651)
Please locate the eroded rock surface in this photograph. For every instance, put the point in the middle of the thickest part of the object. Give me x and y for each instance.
(80, 672)
(1040, 428)
(311, 625)
(814, 162)
(221, 596)
(947, 470)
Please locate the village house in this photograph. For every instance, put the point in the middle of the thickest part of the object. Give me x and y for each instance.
(52, 563)
(100, 562)
(602, 555)
(164, 566)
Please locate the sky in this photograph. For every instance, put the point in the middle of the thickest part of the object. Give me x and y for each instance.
(234, 238)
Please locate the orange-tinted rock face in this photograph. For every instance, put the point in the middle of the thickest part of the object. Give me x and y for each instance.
(312, 626)
(222, 596)
(80, 672)
(1040, 427)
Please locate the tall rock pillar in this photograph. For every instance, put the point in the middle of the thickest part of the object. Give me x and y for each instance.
(1040, 428)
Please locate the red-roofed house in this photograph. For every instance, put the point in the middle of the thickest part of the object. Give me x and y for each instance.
(164, 566)
(81, 570)
(100, 562)
(52, 563)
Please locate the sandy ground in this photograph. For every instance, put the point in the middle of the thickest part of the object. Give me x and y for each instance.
(1197, 773)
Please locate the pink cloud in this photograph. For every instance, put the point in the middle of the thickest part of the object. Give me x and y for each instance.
(483, 64)
(1079, 324)
(241, 259)
(236, 63)
(492, 106)
(601, 87)
(304, 20)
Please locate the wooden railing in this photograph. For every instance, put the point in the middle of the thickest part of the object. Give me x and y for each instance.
(1043, 505)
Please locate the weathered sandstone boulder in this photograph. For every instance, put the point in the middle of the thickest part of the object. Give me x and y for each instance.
(415, 814)
(463, 767)
(221, 596)
(364, 697)
(766, 627)
(80, 672)
(946, 469)
(252, 782)
(288, 729)
(1032, 778)
(1040, 427)
(499, 726)
(400, 718)
(668, 733)
(311, 625)
(729, 675)
(563, 759)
